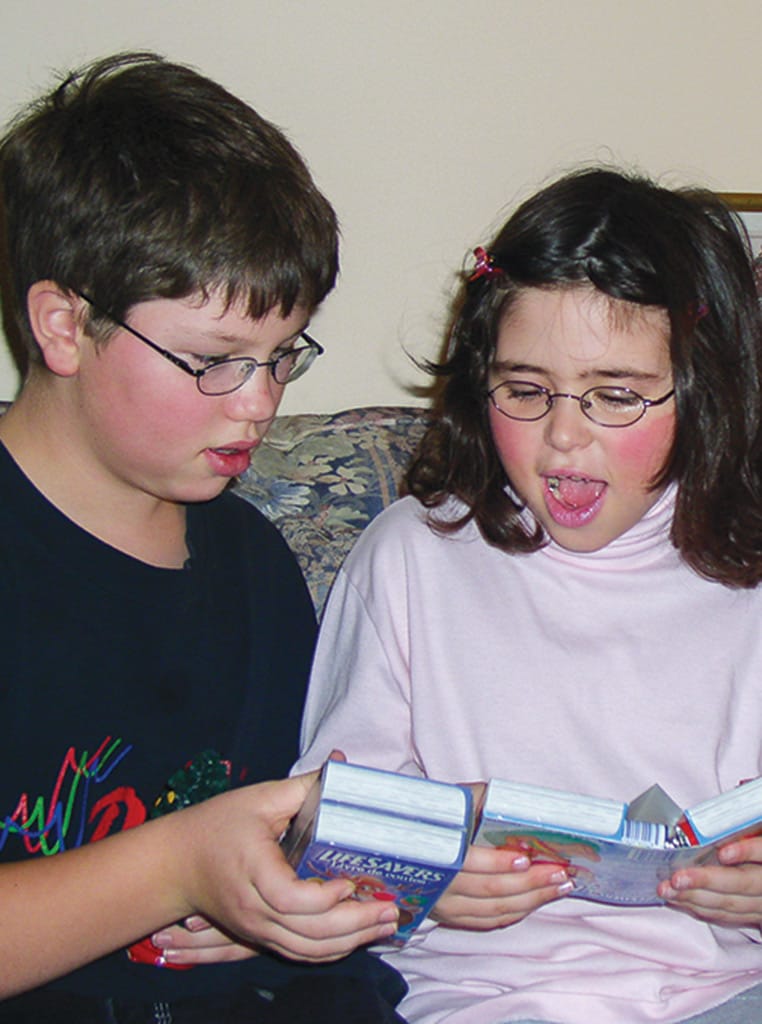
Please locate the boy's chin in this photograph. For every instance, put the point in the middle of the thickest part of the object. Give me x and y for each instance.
(201, 492)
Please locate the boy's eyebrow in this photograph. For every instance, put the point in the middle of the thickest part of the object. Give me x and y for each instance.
(237, 339)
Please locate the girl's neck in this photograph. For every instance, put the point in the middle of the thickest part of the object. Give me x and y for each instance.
(640, 545)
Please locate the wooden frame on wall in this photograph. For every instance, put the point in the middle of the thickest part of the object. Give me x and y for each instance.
(743, 202)
(748, 206)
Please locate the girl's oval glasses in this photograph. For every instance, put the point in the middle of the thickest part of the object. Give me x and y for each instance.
(226, 375)
(604, 405)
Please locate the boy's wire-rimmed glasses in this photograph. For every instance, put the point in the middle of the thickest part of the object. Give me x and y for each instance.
(226, 375)
(604, 405)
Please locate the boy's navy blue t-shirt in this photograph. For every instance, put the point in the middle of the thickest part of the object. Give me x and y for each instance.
(116, 674)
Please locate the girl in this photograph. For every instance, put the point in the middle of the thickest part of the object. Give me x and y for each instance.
(569, 596)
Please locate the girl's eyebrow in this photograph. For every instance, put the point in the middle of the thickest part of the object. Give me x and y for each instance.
(609, 372)
(508, 366)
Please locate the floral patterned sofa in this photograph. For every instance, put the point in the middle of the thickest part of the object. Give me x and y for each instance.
(321, 478)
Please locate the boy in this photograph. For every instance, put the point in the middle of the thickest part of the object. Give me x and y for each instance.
(164, 249)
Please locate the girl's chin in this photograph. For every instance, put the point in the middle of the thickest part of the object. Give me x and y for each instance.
(577, 542)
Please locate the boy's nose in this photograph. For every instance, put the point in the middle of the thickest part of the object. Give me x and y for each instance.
(566, 426)
(256, 400)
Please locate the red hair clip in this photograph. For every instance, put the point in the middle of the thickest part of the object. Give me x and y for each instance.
(484, 266)
(697, 311)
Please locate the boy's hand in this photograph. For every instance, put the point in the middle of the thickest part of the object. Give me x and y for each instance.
(496, 888)
(729, 894)
(234, 874)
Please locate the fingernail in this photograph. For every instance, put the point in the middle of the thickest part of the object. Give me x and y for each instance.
(390, 914)
(565, 889)
(520, 863)
(558, 877)
(161, 939)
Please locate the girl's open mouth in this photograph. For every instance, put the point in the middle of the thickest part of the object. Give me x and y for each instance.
(575, 491)
(573, 500)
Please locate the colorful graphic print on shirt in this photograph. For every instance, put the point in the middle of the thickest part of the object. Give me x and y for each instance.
(80, 808)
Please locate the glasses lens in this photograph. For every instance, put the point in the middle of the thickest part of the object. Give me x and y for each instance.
(231, 374)
(612, 407)
(225, 376)
(520, 400)
(293, 364)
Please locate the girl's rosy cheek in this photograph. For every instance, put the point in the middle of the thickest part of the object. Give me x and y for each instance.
(509, 438)
(643, 449)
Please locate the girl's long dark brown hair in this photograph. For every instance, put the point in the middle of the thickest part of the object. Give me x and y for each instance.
(682, 251)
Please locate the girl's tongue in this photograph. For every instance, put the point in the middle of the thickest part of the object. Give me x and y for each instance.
(575, 492)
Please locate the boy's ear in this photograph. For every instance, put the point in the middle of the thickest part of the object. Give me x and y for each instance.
(54, 319)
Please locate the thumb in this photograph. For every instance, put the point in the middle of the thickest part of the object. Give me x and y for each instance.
(283, 799)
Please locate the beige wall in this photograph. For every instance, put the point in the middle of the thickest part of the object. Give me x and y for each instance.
(425, 120)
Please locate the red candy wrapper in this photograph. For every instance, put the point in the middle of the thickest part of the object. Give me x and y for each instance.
(202, 777)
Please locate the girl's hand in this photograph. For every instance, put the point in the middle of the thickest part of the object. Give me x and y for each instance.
(729, 894)
(497, 888)
(197, 941)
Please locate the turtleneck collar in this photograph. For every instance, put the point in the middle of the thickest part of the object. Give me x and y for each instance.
(644, 543)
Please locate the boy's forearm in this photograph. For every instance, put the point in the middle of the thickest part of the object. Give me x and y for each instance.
(77, 906)
(220, 858)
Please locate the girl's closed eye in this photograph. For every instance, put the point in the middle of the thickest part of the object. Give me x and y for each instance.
(522, 389)
(617, 399)
(520, 398)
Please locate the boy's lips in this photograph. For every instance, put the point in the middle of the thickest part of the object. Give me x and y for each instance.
(232, 459)
(235, 447)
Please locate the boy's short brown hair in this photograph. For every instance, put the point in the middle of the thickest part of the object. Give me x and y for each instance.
(137, 178)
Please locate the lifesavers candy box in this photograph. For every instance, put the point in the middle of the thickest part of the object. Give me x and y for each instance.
(396, 837)
(615, 852)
